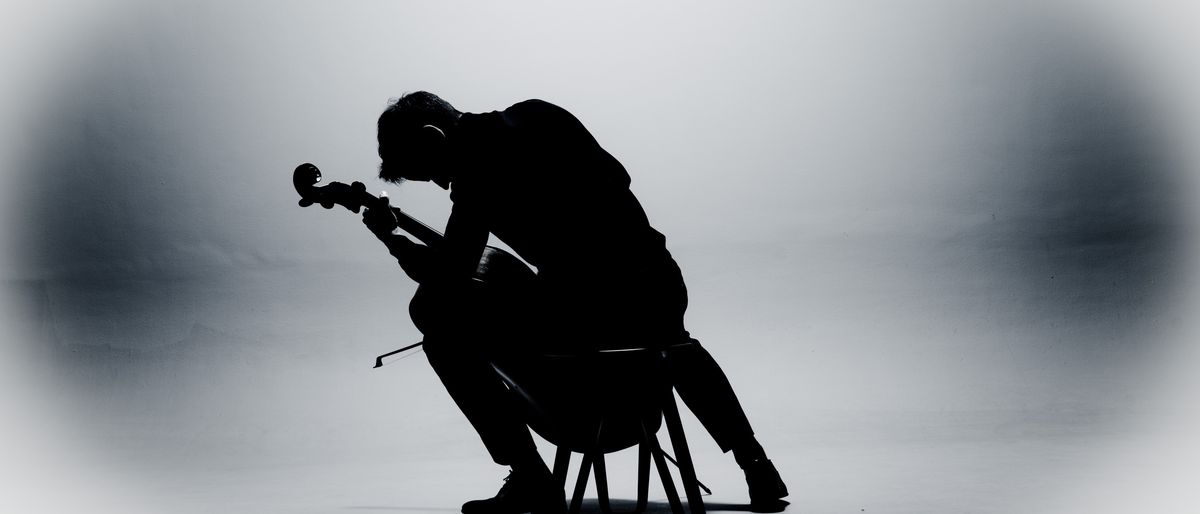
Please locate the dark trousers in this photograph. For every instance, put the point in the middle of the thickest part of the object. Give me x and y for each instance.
(464, 362)
(498, 416)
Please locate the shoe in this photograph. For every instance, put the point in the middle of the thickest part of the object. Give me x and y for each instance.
(766, 487)
(522, 492)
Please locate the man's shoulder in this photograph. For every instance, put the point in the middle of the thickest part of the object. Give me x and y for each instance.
(535, 104)
(537, 110)
(540, 115)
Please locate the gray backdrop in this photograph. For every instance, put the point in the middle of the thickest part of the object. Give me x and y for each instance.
(963, 226)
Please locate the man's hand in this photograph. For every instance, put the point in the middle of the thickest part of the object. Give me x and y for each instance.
(380, 220)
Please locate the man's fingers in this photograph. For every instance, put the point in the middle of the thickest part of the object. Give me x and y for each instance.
(378, 216)
(377, 220)
(371, 216)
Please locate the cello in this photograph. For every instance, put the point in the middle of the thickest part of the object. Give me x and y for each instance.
(498, 278)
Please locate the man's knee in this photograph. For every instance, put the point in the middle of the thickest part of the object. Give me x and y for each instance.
(444, 352)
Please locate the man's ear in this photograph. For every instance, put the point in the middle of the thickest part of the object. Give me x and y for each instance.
(431, 134)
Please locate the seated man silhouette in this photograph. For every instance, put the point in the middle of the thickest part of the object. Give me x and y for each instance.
(533, 176)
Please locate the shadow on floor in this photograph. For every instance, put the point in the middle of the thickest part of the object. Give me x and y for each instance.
(591, 506)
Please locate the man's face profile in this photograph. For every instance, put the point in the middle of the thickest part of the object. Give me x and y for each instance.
(409, 156)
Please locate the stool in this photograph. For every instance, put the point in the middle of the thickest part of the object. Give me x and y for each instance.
(602, 402)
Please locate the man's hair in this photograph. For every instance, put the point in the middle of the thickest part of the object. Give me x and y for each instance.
(404, 115)
(415, 110)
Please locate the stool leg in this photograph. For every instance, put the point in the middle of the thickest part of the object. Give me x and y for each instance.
(687, 470)
(601, 483)
(585, 466)
(562, 459)
(643, 474)
(664, 474)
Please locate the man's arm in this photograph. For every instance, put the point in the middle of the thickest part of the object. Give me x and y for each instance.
(417, 260)
(461, 249)
(450, 262)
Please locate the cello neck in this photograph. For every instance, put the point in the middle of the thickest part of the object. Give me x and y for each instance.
(354, 197)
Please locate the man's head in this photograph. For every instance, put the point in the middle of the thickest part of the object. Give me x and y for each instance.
(412, 138)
